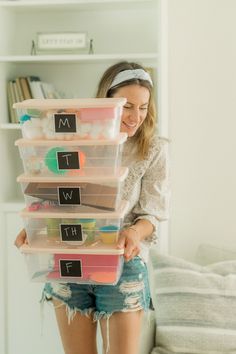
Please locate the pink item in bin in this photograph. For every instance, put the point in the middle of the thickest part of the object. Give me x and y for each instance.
(70, 119)
(46, 204)
(93, 114)
(86, 265)
(104, 277)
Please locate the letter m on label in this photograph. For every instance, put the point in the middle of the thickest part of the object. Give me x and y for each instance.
(65, 122)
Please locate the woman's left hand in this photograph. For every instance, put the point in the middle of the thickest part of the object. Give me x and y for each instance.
(129, 240)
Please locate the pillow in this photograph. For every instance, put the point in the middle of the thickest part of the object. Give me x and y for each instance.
(195, 306)
(207, 254)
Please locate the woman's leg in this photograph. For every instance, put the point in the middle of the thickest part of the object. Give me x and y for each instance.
(124, 332)
(78, 336)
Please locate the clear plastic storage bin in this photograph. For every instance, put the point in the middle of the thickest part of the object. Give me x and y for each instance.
(68, 119)
(71, 158)
(88, 265)
(45, 229)
(73, 194)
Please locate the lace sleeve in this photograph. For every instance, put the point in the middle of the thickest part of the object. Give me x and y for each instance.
(153, 204)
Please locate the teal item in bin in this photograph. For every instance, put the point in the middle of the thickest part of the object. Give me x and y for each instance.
(87, 221)
(24, 118)
(109, 228)
(51, 160)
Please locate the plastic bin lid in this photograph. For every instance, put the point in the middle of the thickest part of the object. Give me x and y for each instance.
(97, 248)
(71, 103)
(48, 143)
(44, 213)
(120, 177)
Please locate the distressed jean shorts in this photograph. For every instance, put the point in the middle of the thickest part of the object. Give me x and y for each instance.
(131, 293)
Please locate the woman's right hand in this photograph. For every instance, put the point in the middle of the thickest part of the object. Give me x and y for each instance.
(21, 239)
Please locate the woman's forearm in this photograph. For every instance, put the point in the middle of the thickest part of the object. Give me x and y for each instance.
(142, 229)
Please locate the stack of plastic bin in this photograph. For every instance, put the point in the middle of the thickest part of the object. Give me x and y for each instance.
(71, 153)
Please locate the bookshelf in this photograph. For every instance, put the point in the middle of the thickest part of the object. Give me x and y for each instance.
(133, 30)
(121, 30)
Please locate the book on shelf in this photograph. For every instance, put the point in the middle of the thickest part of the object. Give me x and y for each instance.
(49, 90)
(11, 100)
(35, 86)
(19, 89)
(15, 89)
(41, 89)
(24, 88)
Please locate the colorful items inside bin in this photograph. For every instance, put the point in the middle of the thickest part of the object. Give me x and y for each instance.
(59, 161)
(70, 118)
(44, 229)
(100, 266)
(57, 195)
(71, 158)
(77, 194)
(95, 268)
(70, 231)
(109, 234)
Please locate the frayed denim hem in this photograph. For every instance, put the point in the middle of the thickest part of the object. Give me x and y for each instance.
(96, 315)
(71, 312)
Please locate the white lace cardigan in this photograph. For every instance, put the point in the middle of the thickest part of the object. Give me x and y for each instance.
(147, 187)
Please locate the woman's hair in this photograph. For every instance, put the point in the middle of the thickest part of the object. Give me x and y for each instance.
(146, 131)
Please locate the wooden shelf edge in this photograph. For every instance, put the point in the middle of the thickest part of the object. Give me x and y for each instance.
(75, 57)
(10, 126)
(43, 3)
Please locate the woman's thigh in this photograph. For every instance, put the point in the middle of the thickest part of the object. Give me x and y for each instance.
(79, 335)
(122, 333)
(120, 308)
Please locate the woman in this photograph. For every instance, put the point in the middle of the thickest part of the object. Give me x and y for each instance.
(119, 308)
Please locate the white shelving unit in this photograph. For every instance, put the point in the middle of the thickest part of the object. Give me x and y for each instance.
(132, 30)
(121, 30)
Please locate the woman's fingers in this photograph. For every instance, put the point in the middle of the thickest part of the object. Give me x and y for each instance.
(121, 241)
(129, 243)
(21, 238)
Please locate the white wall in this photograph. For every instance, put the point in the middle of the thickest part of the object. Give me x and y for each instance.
(202, 103)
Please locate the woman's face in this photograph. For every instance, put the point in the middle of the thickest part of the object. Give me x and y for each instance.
(136, 108)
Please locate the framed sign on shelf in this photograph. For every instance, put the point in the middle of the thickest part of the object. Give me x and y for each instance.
(61, 42)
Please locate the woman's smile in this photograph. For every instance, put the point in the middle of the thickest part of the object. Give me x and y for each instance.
(136, 108)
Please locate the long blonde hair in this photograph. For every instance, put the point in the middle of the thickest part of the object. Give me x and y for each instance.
(146, 131)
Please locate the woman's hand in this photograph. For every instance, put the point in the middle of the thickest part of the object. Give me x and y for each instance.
(130, 241)
(21, 239)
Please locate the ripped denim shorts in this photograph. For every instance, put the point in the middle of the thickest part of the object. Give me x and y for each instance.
(131, 293)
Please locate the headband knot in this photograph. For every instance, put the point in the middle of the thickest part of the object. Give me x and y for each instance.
(138, 74)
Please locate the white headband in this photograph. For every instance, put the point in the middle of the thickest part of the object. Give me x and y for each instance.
(126, 75)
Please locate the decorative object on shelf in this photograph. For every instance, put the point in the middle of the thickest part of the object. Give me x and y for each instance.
(91, 50)
(61, 41)
(33, 48)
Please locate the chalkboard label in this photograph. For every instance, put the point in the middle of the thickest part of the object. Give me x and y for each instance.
(68, 160)
(69, 195)
(65, 122)
(71, 232)
(70, 268)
